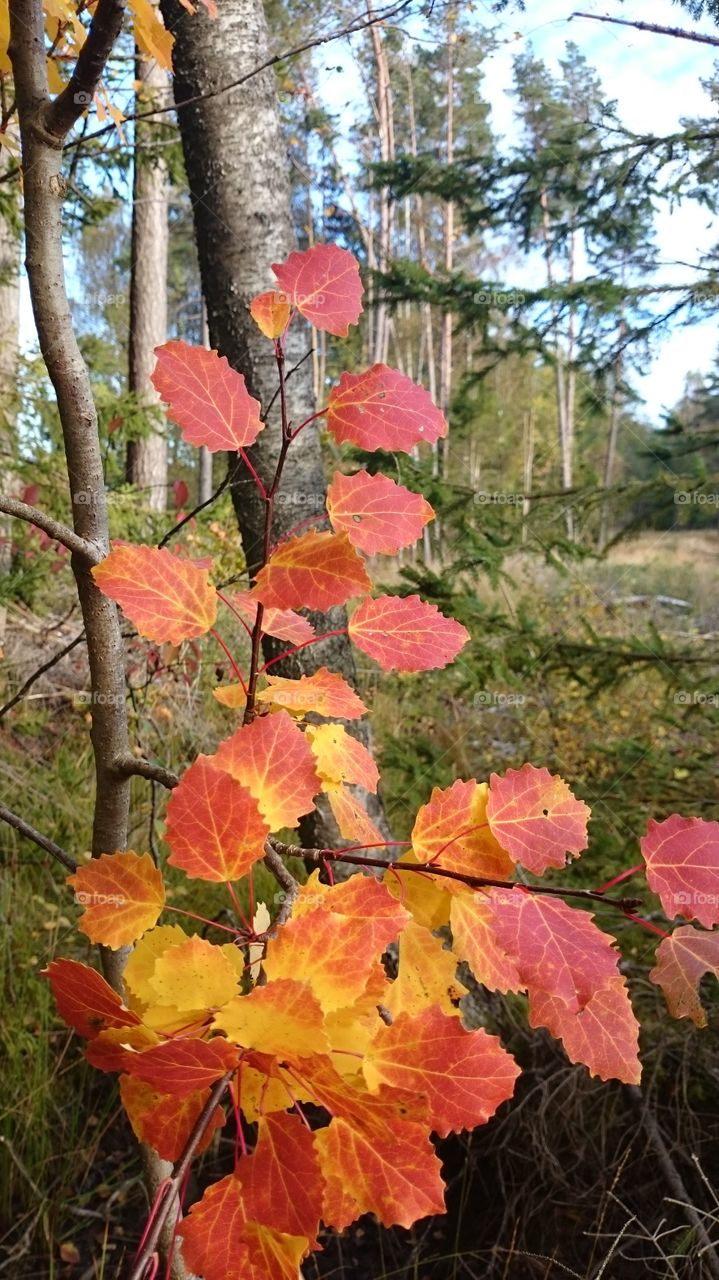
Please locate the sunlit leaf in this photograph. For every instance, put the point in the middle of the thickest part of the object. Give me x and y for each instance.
(273, 760)
(270, 312)
(383, 409)
(535, 817)
(377, 514)
(403, 633)
(122, 895)
(206, 397)
(315, 570)
(324, 284)
(213, 824)
(682, 857)
(325, 692)
(166, 597)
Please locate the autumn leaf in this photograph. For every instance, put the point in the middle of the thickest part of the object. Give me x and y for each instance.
(425, 896)
(110, 1050)
(270, 312)
(85, 1001)
(682, 959)
(273, 760)
(183, 1066)
(535, 817)
(426, 974)
(315, 570)
(341, 758)
(282, 623)
(194, 974)
(353, 820)
(324, 284)
(377, 514)
(326, 693)
(452, 831)
(282, 1018)
(682, 857)
(463, 1075)
(164, 1120)
(207, 398)
(219, 1243)
(166, 597)
(383, 409)
(213, 825)
(122, 894)
(403, 633)
(603, 1035)
(281, 1181)
(141, 963)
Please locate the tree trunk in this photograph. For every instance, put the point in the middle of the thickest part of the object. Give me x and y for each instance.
(238, 176)
(9, 319)
(615, 415)
(204, 459)
(147, 457)
(385, 134)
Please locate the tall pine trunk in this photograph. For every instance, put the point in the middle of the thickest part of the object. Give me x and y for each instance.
(9, 319)
(238, 175)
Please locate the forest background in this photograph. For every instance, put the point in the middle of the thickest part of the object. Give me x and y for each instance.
(540, 252)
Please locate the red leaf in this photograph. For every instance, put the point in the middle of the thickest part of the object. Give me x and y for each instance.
(315, 570)
(272, 758)
(682, 857)
(682, 960)
(326, 693)
(183, 1066)
(535, 817)
(114, 423)
(282, 623)
(214, 826)
(281, 1181)
(383, 409)
(403, 633)
(207, 398)
(377, 514)
(84, 1000)
(603, 1035)
(219, 1243)
(463, 1075)
(164, 1120)
(324, 284)
(30, 494)
(166, 597)
(180, 493)
(341, 758)
(270, 312)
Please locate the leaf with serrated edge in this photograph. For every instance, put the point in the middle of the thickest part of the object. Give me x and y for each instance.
(281, 1181)
(206, 397)
(283, 1018)
(284, 624)
(183, 1066)
(383, 409)
(452, 831)
(326, 693)
(426, 975)
(213, 824)
(353, 820)
(342, 758)
(603, 1035)
(535, 817)
(165, 1121)
(219, 1243)
(324, 284)
(403, 633)
(122, 895)
(85, 1001)
(315, 570)
(682, 959)
(682, 857)
(272, 758)
(166, 597)
(378, 515)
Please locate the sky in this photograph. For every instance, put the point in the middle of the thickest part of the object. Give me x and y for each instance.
(656, 81)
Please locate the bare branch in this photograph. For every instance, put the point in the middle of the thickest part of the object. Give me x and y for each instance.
(55, 529)
(77, 95)
(678, 32)
(130, 766)
(274, 863)
(46, 666)
(13, 820)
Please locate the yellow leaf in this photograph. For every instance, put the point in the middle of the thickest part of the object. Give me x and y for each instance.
(284, 1018)
(194, 974)
(426, 974)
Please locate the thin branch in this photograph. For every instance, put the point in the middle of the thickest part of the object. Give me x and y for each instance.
(130, 766)
(274, 863)
(68, 106)
(474, 882)
(13, 820)
(678, 32)
(46, 666)
(55, 529)
(358, 24)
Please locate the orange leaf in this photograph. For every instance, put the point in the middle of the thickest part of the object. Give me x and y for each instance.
(383, 409)
(682, 857)
(271, 757)
(682, 959)
(281, 1019)
(183, 1066)
(122, 893)
(464, 1075)
(207, 398)
(326, 693)
(341, 758)
(324, 284)
(535, 817)
(282, 623)
(403, 633)
(196, 974)
(452, 831)
(315, 570)
(219, 1243)
(214, 827)
(84, 1000)
(426, 974)
(377, 514)
(110, 1049)
(270, 312)
(165, 1121)
(353, 820)
(281, 1181)
(166, 597)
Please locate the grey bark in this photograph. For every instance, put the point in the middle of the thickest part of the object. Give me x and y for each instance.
(9, 305)
(238, 176)
(147, 457)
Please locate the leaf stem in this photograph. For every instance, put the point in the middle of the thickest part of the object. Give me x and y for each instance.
(288, 653)
(229, 656)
